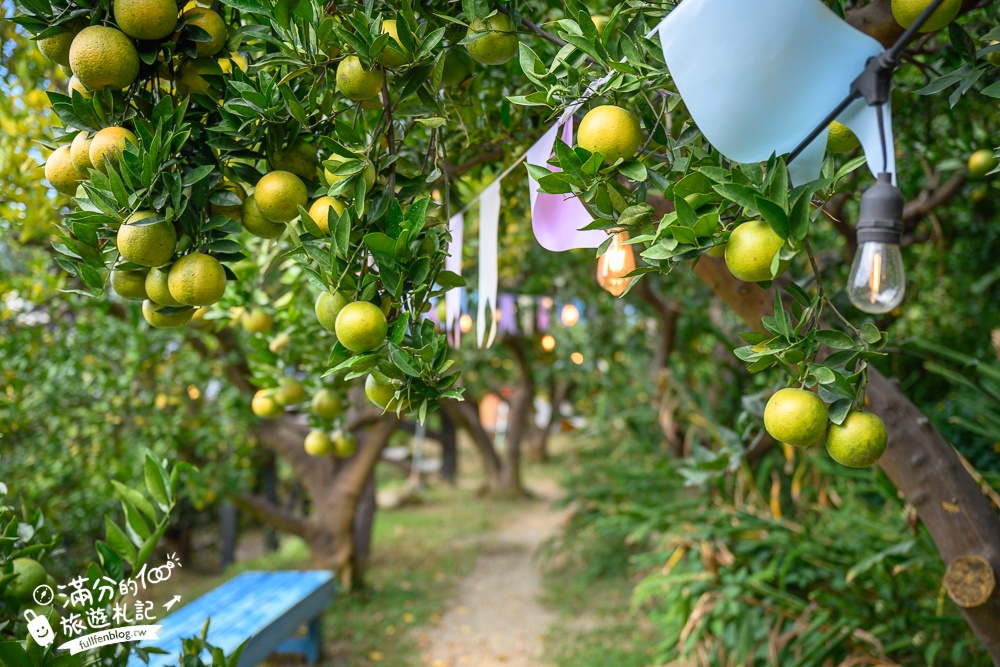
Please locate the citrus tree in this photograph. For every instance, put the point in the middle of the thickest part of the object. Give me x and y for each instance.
(640, 165)
(344, 118)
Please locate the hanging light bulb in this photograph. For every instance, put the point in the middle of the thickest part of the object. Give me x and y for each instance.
(570, 315)
(614, 266)
(877, 281)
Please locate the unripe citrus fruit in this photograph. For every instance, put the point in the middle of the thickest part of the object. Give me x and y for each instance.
(859, 442)
(389, 58)
(458, 67)
(280, 342)
(326, 404)
(129, 285)
(718, 250)
(158, 287)
(382, 395)
(600, 22)
(328, 306)
(235, 57)
(74, 84)
(189, 76)
(211, 23)
(104, 57)
(107, 146)
(355, 82)
(279, 194)
(318, 443)
(254, 221)
(361, 326)
(56, 48)
(345, 444)
(982, 162)
(320, 211)
(994, 56)
(256, 320)
(796, 417)
(30, 575)
(79, 152)
(906, 12)
(198, 320)
(495, 40)
(289, 392)
(160, 320)
(61, 173)
(264, 405)
(840, 138)
(146, 19)
(301, 158)
(750, 250)
(235, 212)
(146, 245)
(197, 280)
(611, 131)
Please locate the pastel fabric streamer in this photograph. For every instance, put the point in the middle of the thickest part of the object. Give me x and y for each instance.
(507, 315)
(556, 219)
(453, 299)
(758, 77)
(489, 225)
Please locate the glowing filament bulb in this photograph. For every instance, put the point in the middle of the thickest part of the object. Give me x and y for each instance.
(614, 265)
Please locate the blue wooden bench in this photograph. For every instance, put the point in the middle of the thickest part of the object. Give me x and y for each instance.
(267, 608)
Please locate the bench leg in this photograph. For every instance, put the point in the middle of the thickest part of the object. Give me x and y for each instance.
(311, 646)
(315, 651)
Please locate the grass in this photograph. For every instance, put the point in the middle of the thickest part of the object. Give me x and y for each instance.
(595, 626)
(420, 554)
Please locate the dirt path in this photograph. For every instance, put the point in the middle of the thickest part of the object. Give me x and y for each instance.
(496, 619)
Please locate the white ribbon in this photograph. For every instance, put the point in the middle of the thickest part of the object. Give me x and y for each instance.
(489, 225)
(453, 299)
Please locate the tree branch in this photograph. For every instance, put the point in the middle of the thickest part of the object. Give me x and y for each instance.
(929, 200)
(280, 518)
(284, 437)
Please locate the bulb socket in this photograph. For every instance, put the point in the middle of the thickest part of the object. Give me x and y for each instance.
(880, 219)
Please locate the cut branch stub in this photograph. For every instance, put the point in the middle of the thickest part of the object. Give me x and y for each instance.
(970, 581)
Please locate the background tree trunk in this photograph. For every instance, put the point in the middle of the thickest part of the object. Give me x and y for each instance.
(466, 417)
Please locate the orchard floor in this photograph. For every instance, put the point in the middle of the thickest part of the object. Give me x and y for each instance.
(462, 581)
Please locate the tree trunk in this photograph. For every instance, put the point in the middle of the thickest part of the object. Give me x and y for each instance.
(518, 418)
(335, 487)
(538, 448)
(919, 461)
(465, 416)
(228, 533)
(364, 520)
(449, 449)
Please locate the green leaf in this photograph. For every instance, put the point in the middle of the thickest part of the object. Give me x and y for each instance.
(157, 482)
(403, 360)
(744, 196)
(836, 339)
(774, 215)
(111, 562)
(839, 409)
(117, 540)
(12, 654)
(135, 525)
(870, 333)
(634, 170)
(135, 498)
